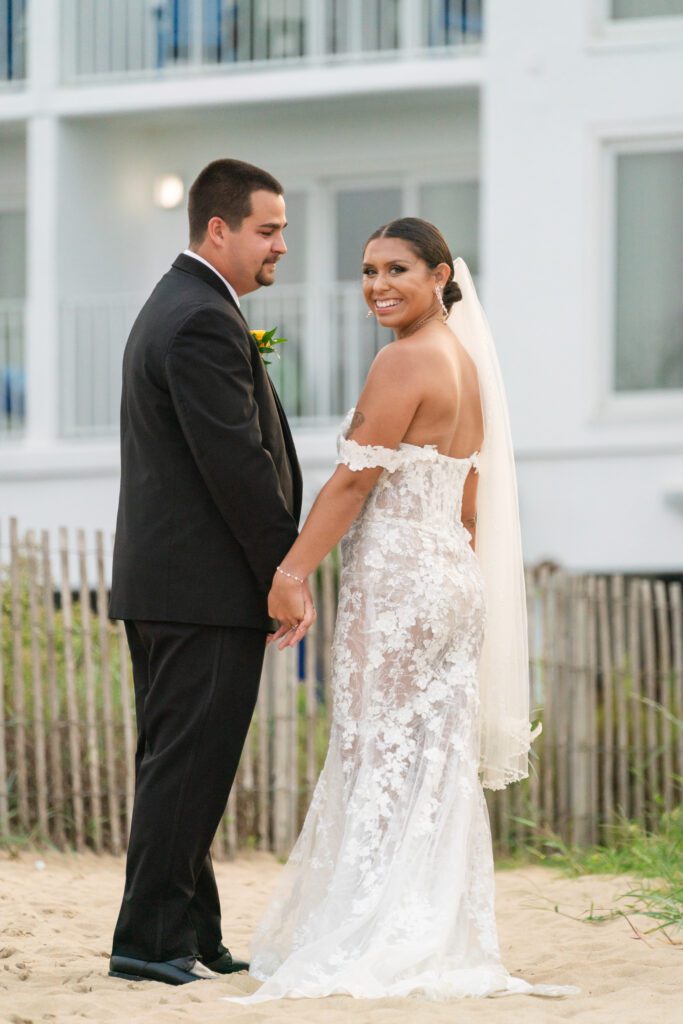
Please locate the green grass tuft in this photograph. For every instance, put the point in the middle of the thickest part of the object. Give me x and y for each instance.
(654, 858)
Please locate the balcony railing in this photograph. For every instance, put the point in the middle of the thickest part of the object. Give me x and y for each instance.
(12, 369)
(12, 41)
(319, 374)
(93, 333)
(162, 37)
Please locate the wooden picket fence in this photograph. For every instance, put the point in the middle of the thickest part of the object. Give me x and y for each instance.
(606, 656)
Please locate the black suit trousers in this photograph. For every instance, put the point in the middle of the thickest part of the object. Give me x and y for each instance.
(195, 692)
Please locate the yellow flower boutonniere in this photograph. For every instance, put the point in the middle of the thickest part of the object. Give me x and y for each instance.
(266, 342)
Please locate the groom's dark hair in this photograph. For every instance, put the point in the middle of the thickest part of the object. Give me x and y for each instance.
(223, 189)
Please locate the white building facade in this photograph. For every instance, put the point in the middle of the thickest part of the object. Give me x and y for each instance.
(544, 138)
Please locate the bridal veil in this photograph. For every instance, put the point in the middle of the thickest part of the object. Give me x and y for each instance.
(505, 732)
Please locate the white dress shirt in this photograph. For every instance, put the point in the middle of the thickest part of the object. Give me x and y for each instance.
(196, 256)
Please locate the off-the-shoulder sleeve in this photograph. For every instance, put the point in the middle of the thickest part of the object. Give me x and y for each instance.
(367, 456)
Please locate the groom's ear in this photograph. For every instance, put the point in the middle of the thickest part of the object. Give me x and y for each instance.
(217, 230)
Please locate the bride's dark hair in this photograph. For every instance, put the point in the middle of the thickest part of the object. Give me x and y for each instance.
(428, 243)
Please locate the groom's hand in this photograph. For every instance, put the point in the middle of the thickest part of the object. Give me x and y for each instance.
(291, 603)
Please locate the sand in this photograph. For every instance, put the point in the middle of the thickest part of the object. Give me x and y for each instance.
(56, 923)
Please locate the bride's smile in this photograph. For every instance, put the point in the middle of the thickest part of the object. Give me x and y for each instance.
(398, 287)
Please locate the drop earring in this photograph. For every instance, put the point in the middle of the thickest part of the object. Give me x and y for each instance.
(438, 291)
(368, 314)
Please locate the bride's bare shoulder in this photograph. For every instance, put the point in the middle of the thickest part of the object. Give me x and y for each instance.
(397, 359)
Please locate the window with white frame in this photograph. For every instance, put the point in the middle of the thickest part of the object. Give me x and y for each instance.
(360, 211)
(12, 293)
(453, 207)
(648, 314)
(621, 10)
(13, 24)
(13, 241)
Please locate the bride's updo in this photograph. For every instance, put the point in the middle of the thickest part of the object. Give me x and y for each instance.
(428, 243)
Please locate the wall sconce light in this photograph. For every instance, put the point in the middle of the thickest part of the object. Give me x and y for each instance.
(168, 191)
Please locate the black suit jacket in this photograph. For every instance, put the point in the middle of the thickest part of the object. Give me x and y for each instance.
(210, 483)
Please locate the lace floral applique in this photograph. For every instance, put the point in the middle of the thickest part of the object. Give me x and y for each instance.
(367, 456)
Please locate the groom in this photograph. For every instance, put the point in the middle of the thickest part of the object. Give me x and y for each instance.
(209, 505)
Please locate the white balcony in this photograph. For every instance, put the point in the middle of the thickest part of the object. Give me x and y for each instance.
(141, 39)
(13, 26)
(319, 372)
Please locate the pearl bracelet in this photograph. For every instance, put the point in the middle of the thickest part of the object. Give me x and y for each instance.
(290, 574)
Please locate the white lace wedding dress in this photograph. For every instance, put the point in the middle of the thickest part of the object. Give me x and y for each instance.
(389, 889)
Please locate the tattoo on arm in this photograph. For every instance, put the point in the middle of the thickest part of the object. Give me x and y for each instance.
(470, 523)
(357, 420)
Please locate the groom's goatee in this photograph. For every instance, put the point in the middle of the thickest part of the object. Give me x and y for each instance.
(265, 280)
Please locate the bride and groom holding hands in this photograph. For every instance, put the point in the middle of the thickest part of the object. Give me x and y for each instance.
(389, 889)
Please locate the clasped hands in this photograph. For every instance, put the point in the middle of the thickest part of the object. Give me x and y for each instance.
(291, 604)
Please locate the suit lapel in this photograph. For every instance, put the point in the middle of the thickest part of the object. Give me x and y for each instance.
(189, 265)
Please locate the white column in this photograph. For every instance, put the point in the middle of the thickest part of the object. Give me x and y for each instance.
(354, 39)
(320, 277)
(315, 28)
(196, 54)
(410, 26)
(42, 336)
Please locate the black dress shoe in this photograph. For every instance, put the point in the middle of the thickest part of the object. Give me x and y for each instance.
(172, 972)
(224, 964)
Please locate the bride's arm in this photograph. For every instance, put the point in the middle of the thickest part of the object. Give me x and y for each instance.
(385, 410)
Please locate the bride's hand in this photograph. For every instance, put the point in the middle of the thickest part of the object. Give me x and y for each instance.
(291, 603)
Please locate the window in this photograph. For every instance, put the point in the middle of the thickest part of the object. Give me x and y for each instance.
(624, 9)
(12, 292)
(172, 28)
(648, 321)
(13, 246)
(359, 213)
(454, 208)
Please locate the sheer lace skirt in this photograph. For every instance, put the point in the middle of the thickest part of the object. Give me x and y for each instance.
(389, 889)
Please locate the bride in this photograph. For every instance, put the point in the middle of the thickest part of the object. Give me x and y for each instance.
(389, 890)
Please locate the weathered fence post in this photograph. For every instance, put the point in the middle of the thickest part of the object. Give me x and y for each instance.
(650, 692)
(664, 691)
(263, 757)
(676, 605)
(74, 721)
(634, 706)
(21, 767)
(126, 718)
(113, 808)
(580, 751)
(548, 738)
(92, 746)
(282, 796)
(605, 672)
(310, 668)
(624, 803)
(564, 692)
(39, 752)
(4, 795)
(55, 732)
